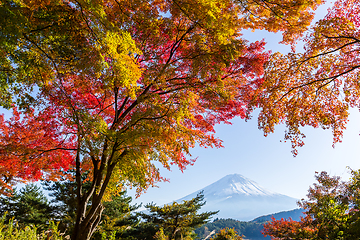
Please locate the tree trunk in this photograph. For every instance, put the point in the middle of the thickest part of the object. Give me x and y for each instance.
(86, 227)
(87, 219)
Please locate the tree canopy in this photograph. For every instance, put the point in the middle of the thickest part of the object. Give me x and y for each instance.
(107, 88)
(318, 86)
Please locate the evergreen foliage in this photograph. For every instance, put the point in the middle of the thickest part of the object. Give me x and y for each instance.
(175, 221)
(29, 206)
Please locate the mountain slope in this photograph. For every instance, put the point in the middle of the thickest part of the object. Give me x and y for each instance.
(250, 230)
(240, 198)
(293, 214)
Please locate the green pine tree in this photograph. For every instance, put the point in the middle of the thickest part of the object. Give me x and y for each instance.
(29, 206)
(177, 220)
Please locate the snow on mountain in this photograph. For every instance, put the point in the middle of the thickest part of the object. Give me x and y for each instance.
(240, 198)
(235, 184)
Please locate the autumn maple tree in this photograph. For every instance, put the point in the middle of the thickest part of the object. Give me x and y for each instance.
(318, 86)
(106, 88)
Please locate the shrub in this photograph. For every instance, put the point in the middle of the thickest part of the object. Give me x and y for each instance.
(12, 231)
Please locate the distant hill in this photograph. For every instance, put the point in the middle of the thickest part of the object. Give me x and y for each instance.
(293, 214)
(240, 198)
(250, 230)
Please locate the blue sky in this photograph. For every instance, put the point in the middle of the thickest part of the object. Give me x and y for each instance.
(265, 160)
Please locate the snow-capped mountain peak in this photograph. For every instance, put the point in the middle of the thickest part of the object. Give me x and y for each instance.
(241, 198)
(236, 184)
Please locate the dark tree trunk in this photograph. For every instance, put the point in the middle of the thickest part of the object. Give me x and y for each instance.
(85, 228)
(88, 217)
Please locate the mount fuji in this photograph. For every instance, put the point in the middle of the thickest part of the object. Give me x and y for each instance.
(242, 199)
